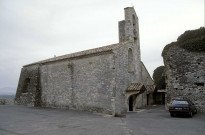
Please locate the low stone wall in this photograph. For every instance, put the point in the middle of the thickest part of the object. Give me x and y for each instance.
(4, 101)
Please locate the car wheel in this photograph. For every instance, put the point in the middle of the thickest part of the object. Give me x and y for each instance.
(172, 114)
(191, 114)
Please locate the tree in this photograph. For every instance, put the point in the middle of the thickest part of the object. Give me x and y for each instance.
(159, 77)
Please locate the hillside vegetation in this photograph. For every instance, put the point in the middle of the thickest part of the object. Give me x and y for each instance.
(191, 40)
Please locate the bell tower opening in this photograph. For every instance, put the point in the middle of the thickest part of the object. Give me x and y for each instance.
(134, 28)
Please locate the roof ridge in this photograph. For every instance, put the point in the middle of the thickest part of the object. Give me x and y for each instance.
(81, 53)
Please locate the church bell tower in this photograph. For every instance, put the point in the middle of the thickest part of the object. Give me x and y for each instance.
(129, 30)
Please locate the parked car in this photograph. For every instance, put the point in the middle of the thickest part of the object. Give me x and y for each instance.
(182, 107)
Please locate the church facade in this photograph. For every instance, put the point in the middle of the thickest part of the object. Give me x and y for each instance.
(111, 79)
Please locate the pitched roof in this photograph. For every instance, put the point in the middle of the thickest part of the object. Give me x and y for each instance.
(81, 53)
(146, 70)
(135, 87)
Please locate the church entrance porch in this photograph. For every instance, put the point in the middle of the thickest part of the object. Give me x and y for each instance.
(132, 95)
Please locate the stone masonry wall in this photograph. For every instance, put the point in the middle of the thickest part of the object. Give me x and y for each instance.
(185, 76)
(56, 84)
(6, 101)
(28, 90)
(82, 84)
(124, 78)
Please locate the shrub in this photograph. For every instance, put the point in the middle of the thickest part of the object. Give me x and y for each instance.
(191, 40)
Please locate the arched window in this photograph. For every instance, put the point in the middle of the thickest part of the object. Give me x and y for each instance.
(130, 61)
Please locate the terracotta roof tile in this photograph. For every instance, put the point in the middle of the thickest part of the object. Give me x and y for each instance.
(135, 87)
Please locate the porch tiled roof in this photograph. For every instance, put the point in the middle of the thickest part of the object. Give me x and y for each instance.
(135, 87)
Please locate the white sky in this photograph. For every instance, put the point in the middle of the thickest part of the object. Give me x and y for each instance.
(33, 30)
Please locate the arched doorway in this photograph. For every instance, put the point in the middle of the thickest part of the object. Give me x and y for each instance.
(131, 103)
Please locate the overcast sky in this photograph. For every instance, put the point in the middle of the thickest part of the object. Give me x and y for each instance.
(33, 30)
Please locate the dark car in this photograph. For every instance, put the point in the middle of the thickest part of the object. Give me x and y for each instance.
(182, 107)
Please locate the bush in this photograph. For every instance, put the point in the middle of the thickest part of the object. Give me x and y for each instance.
(191, 40)
(191, 34)
(194, 45)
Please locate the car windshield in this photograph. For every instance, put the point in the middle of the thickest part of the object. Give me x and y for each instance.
(180, 102)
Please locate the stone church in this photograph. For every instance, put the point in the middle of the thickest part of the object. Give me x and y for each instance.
(111, 79)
